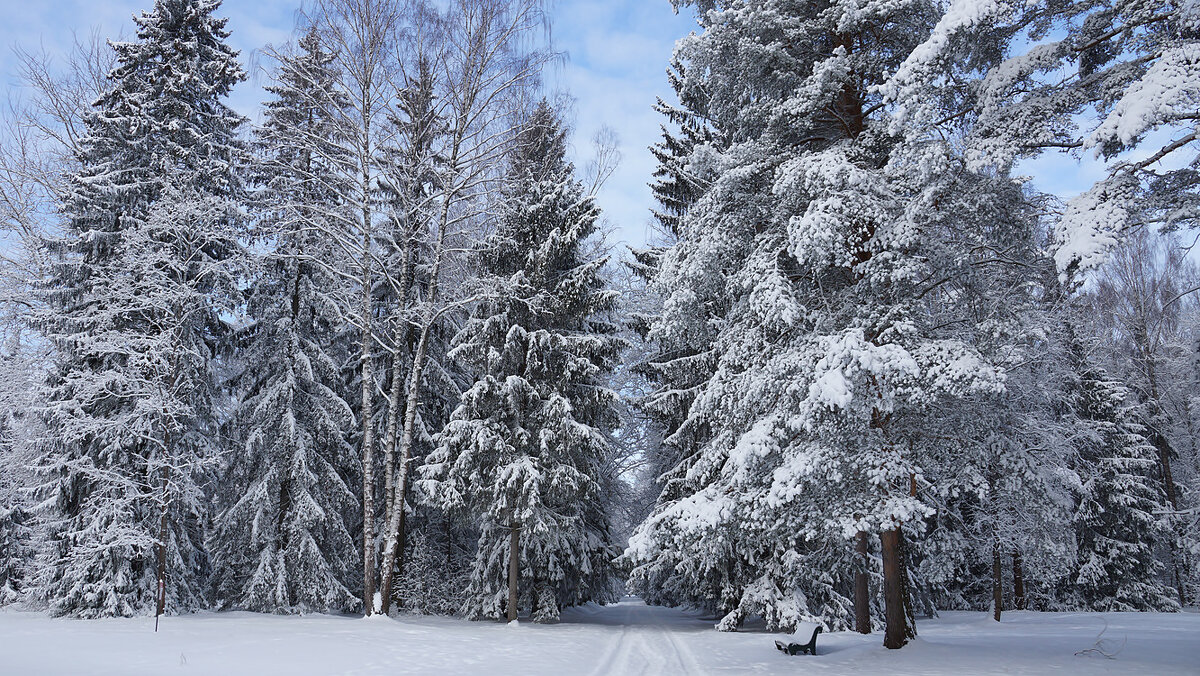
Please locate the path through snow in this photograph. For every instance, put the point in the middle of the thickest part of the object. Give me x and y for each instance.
(647, 639)
(625, 639)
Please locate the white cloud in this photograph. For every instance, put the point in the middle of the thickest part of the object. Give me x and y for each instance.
(618, 54)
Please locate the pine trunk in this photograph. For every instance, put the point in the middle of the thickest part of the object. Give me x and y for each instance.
(910, 616)
(896, 630)
(862, 601)
(514, 540)
(1019, 602)
(160, 605)
(997, 581)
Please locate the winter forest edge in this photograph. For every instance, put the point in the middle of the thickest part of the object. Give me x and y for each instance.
(376, 353)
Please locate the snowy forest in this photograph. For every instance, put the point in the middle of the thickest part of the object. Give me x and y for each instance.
(379, 352)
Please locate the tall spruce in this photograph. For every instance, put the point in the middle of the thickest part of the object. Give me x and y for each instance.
(284, 542)
(675, 363)
(523, 452)
(1116, 520)
(134, 303)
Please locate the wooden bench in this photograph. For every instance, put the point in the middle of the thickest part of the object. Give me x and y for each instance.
(800, 648)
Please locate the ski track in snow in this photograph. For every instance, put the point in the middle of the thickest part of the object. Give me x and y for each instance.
(625, 639)
(655, 650)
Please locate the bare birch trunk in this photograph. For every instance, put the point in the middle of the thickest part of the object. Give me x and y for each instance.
(160, 605)
(368, 445)
(396, 521)
(392, 431)
(361, 35)
(396, 392)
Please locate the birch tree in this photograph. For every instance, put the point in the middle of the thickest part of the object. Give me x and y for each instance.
(485, 71)
(362, 35)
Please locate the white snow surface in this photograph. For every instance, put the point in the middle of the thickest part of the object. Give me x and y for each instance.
(626, 638)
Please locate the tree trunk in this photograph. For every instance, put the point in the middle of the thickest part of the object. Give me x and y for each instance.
(391, 433)
(398, 550)
(396, 519)
(368, 440)
(400, 326)
(514, 540)
(896, 631)
(862, 601)
(910, 616)
(160, 605)
(1019, 602)
(997, 581)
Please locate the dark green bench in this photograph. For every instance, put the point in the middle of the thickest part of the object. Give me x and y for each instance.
(800, 648)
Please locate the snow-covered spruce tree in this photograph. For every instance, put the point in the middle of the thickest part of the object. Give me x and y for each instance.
(675, 363)
(993, 473)
(1116, 518)
(22, 368)
(145, 267)
(812, 254)
(16, 529)
(283, 543)
(1141, 312)
(437, 568)
(523, 452)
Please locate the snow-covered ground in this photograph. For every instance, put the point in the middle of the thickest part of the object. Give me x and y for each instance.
(628, 638)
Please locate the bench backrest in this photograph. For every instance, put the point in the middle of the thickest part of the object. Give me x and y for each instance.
(807, 631)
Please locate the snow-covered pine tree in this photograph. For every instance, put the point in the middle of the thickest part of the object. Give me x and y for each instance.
(523, 452)
(1116, 519)
(1073, 76)
(813, 255)
(1116, 80)
(146, 265)
(284, 541)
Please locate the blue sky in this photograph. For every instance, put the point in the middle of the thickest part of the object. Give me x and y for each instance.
(616, 55)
